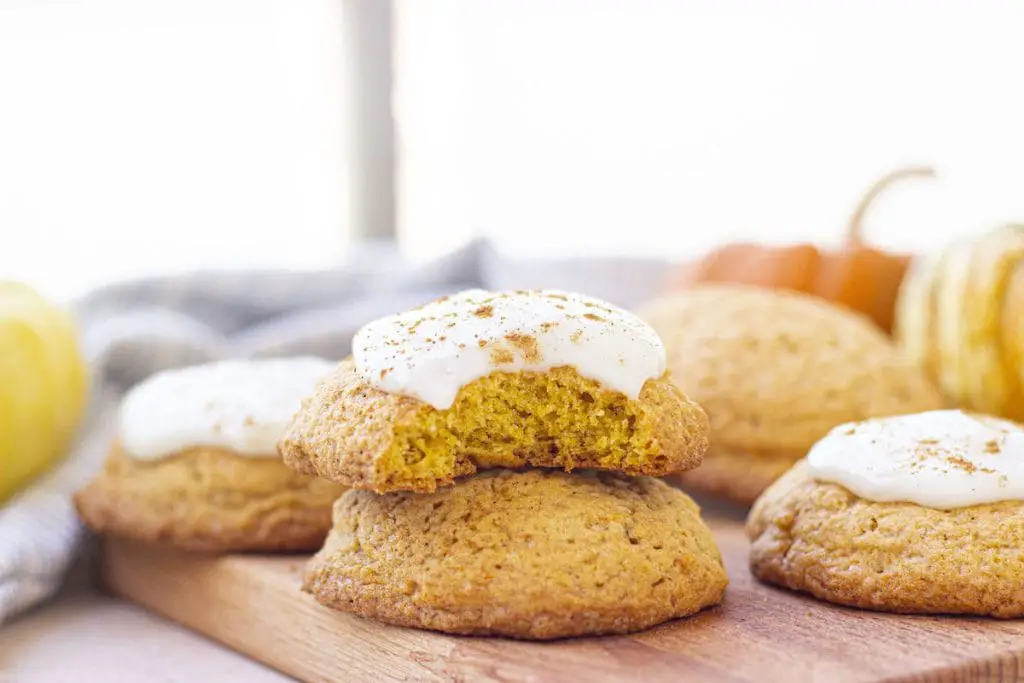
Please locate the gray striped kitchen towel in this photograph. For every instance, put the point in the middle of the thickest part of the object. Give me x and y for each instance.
(133, 329)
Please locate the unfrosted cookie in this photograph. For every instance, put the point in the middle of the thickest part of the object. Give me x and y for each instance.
(484, 380)
(775, 371)
(537, 554)
(915, 514)
(195, 465)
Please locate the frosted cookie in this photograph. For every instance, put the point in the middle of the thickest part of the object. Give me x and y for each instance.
(536, 554)
(194, 463)
(484, 379)
(775, 371)
(915, 514)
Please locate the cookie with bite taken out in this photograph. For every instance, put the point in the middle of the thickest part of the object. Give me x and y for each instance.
(497, 379)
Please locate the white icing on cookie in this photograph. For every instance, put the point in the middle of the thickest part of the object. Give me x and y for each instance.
(430, 353)
(240, 405)
(941, 459)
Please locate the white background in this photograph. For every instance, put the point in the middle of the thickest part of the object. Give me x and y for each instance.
(141, 136)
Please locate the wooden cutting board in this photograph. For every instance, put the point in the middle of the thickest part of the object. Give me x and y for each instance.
(254, 605)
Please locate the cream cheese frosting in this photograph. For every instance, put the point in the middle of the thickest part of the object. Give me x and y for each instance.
(240, 405)
(940, 459)
(431, 352)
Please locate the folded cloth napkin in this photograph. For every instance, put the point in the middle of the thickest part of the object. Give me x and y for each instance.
(133, 329)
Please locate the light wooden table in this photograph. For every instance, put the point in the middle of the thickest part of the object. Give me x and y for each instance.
(88, 637)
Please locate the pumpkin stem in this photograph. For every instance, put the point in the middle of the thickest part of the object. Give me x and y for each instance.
(855, 231)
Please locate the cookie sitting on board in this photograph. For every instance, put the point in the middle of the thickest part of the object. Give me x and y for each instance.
(914, 514)
(538, 554)
(194, 463)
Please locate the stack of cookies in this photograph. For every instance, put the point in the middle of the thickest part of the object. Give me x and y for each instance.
(499, 449)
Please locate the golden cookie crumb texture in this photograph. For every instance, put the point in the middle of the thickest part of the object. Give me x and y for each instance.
(355, 434)
(537, 554)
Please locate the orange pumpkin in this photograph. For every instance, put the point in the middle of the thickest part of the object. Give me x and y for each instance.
(855, 275)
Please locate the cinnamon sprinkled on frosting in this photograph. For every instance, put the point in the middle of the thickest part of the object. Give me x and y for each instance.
(526, 345)
(942, 459)
(433, 351)
(963, 463)
(501, 356)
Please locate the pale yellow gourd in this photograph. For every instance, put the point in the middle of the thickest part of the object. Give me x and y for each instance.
(960, 315)
(43, 385)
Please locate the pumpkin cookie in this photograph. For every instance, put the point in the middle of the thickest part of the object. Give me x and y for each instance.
(775, 371)
(482, 380)
(912, 514)
(537, 554)
(195, 463)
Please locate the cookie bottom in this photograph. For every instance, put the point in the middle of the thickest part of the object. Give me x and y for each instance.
(536, 554)
(824, 540)
(209, 499)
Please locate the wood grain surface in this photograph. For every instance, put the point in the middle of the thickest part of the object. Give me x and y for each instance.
(253, 604)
